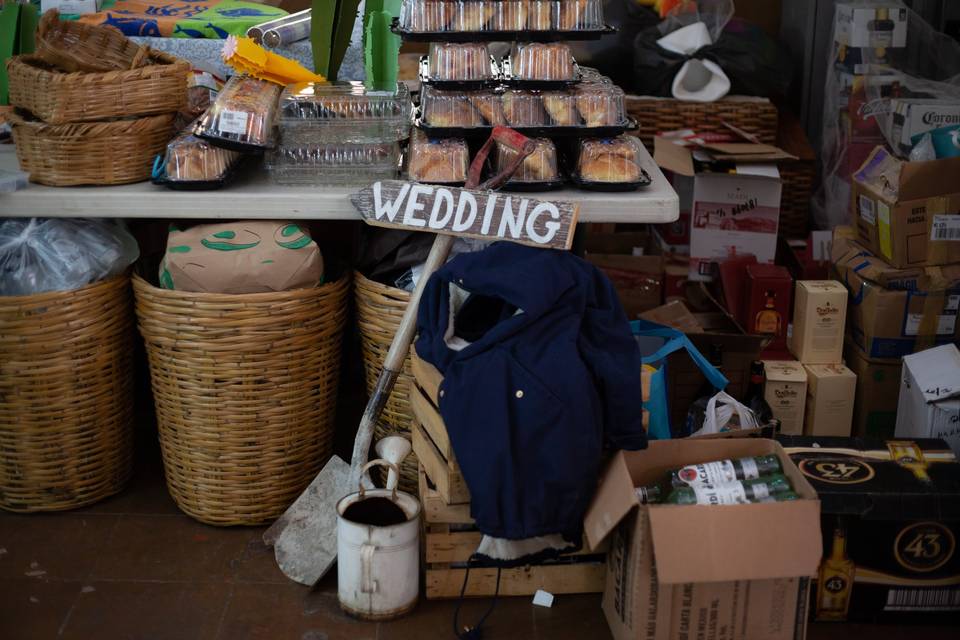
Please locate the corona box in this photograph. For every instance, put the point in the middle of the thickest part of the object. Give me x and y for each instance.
(890, 522)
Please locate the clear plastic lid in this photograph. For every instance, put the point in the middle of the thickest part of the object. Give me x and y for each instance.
(542, 61)
(193, 159)
(437, 16)
(523, 108)
(243, 113)
(539, 166)
(610, 160)
(444, 160)
(601, 104)
(460, 61)
(460, 108)
(341, 164)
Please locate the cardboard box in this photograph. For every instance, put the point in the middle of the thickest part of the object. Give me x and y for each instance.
(71, 6)
(831, 389)
(890, 524)
(674, 314)
(878, 387)
(912, 117)
(636, 275)
(785, 390)
(819, 315)
(709, 572)
(929, 403)
(867, 25)
(908, 213)
(892, 312)
(766, 305)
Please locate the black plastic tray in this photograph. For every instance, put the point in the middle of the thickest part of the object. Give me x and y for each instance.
(159, 177)
(533, 187)
(499, 36)
(461, 85)
(609, 131)
(611, 187)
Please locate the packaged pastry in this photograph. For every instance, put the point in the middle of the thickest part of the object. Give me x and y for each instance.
(579, 15)
(473, 15)
(610, 160)
(242, 115)
(316, 113)
(192, 162)
(523, 108)
(561, 107)
(540, 15)
(510, 15)
(601, 104)
(333, 164)
(459, 61)
(543, 61)
(444, 161)
(459, 108)
(539, 167)
(426, 16)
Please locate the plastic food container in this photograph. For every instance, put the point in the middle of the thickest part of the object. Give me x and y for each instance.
(561, 19)
(601, 104)
(610, 164)
(347, 112)
(465, 109)
(333, 164)
(460, 61)
(523, 108)
(191, 162)
(541, 61)
(242, 116)
(538, 171)
(441, 161)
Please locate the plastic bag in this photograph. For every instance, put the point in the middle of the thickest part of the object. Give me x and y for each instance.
(57, 254)
(860, 83)
(754, 63)
(720, 411)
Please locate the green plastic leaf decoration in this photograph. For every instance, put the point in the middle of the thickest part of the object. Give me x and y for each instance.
(381, 51)
(343, 29)
(322, 20)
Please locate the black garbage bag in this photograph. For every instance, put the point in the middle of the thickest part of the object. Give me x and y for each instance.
(754, 62)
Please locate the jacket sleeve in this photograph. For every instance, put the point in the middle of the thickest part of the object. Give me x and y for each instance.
(611, 352)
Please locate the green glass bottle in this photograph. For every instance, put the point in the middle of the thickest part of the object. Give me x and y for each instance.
(713, 473)
(737, 492)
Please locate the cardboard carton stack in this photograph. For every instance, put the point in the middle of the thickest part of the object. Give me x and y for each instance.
(929, 400)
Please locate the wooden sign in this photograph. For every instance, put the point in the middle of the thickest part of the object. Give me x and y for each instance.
(486, 215)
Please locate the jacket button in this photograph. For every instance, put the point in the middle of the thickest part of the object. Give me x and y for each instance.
(519, 393)
(442, 392)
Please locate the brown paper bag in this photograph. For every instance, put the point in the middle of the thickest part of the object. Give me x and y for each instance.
(247, 256)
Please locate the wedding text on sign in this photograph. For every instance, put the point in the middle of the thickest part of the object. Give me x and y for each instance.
(469, 213)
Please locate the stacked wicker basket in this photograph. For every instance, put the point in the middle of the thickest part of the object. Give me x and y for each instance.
(92, 106)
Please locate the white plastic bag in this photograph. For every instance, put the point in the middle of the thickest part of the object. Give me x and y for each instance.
(720, 410)
(58, 254)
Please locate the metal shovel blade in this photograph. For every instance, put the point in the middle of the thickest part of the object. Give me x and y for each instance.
(304, 539)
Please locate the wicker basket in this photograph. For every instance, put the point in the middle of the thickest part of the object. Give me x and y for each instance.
(797, 176)
(57, 97)
(757, 116)
(74, 46)
(66, 396)
(379, 310)
(245, 388)
(100, 153)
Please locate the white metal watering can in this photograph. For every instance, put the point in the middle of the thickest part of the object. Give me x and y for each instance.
(378, 565)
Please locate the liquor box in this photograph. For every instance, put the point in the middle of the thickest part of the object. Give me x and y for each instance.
(785, 390)
(911, 118)
(890, 525)
(766, 305)
(831, 389)
(907, 212)
(870, 25)
(878, 386)
(709, 572)
(893, 310)
(819, 315)
(449, 533)
(929, 402)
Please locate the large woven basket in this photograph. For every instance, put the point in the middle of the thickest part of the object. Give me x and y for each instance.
(379, 311)
(756, 116)
(57, 97)
(66, 396)
(75, 46)
(101, 153)
(245, 387)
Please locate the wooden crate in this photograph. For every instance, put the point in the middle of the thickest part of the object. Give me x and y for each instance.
(450, 537)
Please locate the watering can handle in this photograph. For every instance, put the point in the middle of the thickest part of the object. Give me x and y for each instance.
(379, 462)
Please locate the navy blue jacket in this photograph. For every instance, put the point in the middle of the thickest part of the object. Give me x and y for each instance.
(529, 403)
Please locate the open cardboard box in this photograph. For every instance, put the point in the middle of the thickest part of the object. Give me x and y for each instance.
(709, 572)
